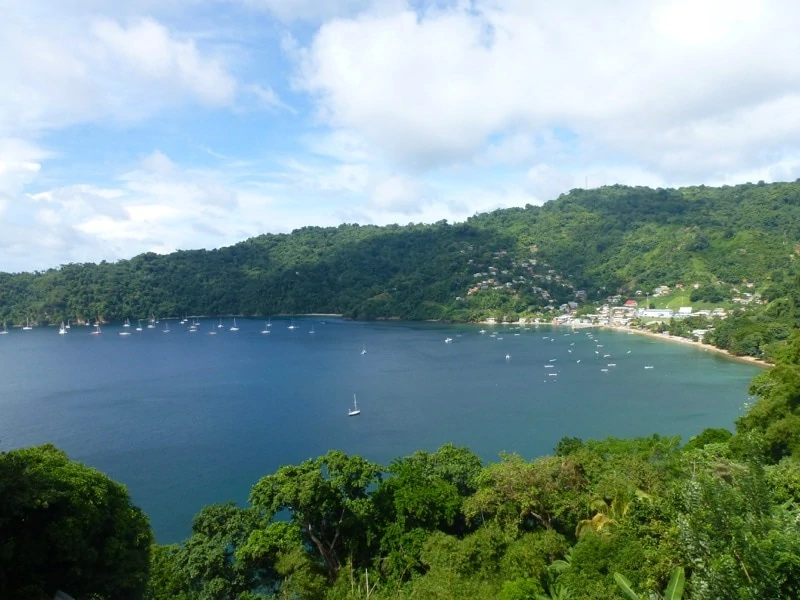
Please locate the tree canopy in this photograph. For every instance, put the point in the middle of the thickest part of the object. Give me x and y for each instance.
(66, 526)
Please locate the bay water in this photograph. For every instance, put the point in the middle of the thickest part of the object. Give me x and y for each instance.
(188, 419)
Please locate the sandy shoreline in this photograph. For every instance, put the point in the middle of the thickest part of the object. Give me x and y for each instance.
(707, 347)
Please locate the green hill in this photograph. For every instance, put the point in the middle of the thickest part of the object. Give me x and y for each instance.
(508, 262)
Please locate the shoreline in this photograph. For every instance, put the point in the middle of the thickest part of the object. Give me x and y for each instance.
(699, 345)
(751, 360)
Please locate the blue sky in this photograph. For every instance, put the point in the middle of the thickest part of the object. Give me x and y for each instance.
(175, 124)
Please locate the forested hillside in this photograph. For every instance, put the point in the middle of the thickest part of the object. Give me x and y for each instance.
(508, 262)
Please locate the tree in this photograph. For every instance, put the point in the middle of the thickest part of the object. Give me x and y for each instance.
(521, 494)
(327, 498)
(66, 526)
(739, 543)
(674, 589)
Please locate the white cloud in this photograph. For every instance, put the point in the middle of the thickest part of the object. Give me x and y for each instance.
(655, 84)
(400, 194)
(267, 98)
(154, 54)
(63, 71)
(418, 111)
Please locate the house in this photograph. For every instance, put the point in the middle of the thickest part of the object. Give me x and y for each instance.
(580, 294)
(655, 313)
(685, 311)
(630, 303)
(661, 290)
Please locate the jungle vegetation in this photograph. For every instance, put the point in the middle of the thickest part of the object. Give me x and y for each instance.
(504, 264)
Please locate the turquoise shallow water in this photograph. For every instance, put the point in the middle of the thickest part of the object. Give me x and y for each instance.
(187, 419)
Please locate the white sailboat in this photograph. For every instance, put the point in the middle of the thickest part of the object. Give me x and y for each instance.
(266, 328)
(27, 325)
(152, 323)
(312, 330)
(5, 329)
(166, 327)
(234, 328)
(97, 329)
(363, 349)
(220, 323)
(127, 323)
(67, 323)
(352, 412)
(139, 328)
(292, 326)
(63, 329)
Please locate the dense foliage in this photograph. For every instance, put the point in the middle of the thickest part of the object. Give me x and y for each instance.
(66, 526)
(505, 263)
(718, 517)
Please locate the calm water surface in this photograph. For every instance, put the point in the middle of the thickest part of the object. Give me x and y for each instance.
(187, 419)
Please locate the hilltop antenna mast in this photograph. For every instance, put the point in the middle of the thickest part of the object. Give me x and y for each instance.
(586, 183)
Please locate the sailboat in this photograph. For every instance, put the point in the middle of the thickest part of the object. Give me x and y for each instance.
(234, 328)
(97, 329)
(67, 324)
(352, 412)
(62, 330)
(292, 326)
(220, 323)
(126, 325)
(139, 328)
(312, 330)
(269, 321)
(152, 323)
(266, 328)
(166, 327)
(363, 349)
(27, 325)
(5, 329)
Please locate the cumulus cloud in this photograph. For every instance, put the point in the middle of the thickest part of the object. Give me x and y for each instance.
(659, 84)
(89, 69)
(402, 111)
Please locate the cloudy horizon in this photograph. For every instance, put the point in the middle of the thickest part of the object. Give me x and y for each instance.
(180, 124)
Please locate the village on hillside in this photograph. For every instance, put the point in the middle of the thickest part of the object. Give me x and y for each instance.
(552, 292)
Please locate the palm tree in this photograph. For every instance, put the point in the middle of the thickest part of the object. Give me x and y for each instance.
(608, 513)
(674, 589)
(555, 590)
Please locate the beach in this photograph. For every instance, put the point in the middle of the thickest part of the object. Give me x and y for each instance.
(680, 340)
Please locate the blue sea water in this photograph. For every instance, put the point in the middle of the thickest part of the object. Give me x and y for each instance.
(187, 419)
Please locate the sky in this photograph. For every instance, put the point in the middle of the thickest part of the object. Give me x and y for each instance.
(157, 125)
